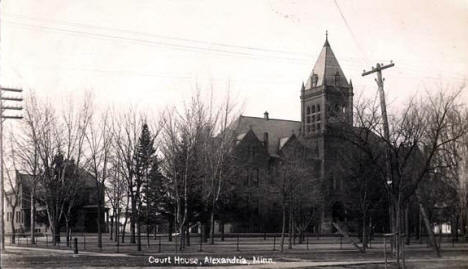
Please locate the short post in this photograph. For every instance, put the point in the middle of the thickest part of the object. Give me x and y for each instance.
(75, 246)
(238, 242)
(159, 244)
(274, 243)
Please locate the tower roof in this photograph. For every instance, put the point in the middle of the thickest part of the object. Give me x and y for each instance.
(327, 70)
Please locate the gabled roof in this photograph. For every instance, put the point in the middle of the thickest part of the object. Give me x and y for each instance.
(325, 69)
(276, 129)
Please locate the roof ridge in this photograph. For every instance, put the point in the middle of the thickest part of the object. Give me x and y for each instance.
(268, 119)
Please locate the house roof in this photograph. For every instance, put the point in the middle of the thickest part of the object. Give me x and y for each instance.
(276, 129)
(325, 69)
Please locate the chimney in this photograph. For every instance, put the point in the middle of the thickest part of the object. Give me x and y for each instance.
(265, 115)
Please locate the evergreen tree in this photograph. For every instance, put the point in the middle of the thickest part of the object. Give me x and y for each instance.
(144, 153)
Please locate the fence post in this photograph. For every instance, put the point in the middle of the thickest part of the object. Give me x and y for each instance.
(75, 246)
(238, 242)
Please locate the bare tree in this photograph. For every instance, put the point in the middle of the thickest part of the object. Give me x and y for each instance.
(293, 176)
(125, 130)
(217, 144)
(99, 139)
(417, 135)
(27, 147)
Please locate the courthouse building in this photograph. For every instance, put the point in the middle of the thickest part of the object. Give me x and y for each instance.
(326, 100)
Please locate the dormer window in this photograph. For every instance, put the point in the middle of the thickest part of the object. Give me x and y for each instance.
(337, 78)
(314, 80)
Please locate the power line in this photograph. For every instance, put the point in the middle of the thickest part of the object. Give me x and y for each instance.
(210, 43)
(351, 31)
(224, 52)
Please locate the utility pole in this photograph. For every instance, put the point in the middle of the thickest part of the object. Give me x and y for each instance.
(3, 108)
(380, 83)
(389, 180)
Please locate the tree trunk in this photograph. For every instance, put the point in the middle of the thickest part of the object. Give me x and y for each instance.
(56, 232)
(124, 227)
(429, 231)
(364, 232)
(407, 226)
(33, 217)
(207, 232)
(116, 225)
(182, 237)
(13, 232)
(290, 228)
(138, 226)
(188, 236)
(147, 232)
(283, 227)
(398, 231)
(222, 230)
(212, 225)
(99, 228)
(111, 233)
(132, 220)
(171, 228)
(67, 227)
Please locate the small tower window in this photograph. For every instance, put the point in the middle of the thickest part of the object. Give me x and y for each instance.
(337, 78)
(313, 109)
(313, 118)
(318, 107)
(318, 117)
(314, 80)
(308, 109)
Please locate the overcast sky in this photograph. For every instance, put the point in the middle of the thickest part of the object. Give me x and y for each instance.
(153, 52)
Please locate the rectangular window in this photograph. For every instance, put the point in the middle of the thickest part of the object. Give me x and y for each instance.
(318, 107)
(318, 117)
(313, 118)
